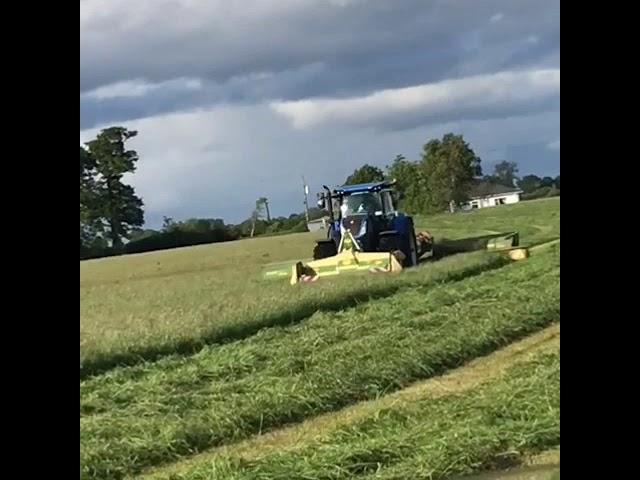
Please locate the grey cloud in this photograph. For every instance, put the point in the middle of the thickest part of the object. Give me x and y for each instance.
(476, 97)
(217, 39)
(308, 48)
(309, 81)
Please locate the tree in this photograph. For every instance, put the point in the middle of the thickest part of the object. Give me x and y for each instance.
(505, 173)
(119, 207)
(87, 170)
(529, 183)
(547, 182)
(365, 174)
(410, 183)
(402, 171)
(90, 226)
(168, 224)
(449, 166)
(557, 182)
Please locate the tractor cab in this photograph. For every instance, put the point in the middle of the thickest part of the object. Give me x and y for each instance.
(376, 203)
(368, 213)
(366, 210)
(364, 199)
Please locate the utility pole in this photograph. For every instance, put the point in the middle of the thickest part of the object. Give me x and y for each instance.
(306, 198)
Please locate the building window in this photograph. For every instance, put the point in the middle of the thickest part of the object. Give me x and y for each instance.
(500, 201)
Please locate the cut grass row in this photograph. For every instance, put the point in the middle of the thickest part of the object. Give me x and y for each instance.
(256, 305)
(142, 307)
(495, 424)
(319, 428)
(143, 416)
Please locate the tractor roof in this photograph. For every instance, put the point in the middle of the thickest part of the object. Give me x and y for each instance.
(363, 187)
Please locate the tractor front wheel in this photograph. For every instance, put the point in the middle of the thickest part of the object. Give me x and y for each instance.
(412, 253)
(324, 250)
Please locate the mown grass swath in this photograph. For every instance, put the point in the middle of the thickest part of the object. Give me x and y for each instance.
(142, 307)
(142, 416)
(493, 425)
(318, 428)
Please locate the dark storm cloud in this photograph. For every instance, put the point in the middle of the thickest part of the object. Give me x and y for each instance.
(289, 50)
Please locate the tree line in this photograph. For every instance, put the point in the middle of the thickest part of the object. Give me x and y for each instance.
(443, 176)
(112, 215)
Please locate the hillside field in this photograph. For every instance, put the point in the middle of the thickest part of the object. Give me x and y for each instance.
(193, 367)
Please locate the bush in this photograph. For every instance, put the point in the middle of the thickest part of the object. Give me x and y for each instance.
(542, 192)
(178, 238)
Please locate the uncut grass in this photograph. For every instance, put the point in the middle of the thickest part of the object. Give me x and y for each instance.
(494, 425)
(142, 416)
(145, 306)
(537, 221)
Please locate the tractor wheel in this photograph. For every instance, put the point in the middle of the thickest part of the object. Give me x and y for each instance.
(389, 242)
(411, 255)
(324, 250)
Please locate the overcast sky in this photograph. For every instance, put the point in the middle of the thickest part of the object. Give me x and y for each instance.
(237, 99)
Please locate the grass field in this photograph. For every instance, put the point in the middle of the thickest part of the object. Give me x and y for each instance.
(187, 350)
(425, 438)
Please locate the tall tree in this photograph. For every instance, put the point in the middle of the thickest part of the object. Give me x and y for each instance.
(89, 215)
(410, 183)
(120, 208)
(505, 173)
(449, 165)
(365, 174)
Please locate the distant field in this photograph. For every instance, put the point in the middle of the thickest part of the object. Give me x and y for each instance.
(188, 351)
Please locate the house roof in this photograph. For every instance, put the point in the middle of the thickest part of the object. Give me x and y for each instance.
(487, 189)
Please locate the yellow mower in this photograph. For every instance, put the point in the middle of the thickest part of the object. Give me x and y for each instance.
(350, 258)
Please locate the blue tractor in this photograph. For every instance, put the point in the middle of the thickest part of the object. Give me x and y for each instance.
(367, 214)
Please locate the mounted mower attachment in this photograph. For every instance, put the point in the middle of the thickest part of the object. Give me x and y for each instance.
(349, 259)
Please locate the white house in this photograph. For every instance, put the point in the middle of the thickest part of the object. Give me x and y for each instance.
(485, 194)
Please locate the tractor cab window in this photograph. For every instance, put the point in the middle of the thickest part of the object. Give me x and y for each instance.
(335, 203)
(387, 202)
(361, 203)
